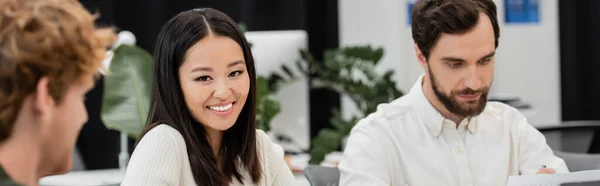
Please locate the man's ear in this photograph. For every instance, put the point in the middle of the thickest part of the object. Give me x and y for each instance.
(420, 57)
(42, 100)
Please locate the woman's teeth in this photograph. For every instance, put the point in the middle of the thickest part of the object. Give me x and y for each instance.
(221, 108)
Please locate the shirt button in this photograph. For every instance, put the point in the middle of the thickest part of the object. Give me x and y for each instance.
(458, 150)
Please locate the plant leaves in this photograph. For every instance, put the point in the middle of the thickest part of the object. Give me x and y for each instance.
(127, 90)
(365, 53)
(274, 81)
(326, 141)
(288, 72)
(301, 68)
(267, 106)
(350, 71)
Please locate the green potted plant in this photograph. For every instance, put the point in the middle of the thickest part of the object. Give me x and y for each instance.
(351, 72)
(267, 107)
(127, 90)
(126, 96)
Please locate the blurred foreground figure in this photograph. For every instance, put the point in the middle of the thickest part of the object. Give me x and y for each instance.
(50, 52)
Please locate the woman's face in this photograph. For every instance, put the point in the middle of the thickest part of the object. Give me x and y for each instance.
(214, 81)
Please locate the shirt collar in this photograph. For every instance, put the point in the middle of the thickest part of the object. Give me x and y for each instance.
(467, 124)
(429, 115)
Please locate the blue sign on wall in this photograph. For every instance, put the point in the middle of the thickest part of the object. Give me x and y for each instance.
(522, 11)
(410, 4)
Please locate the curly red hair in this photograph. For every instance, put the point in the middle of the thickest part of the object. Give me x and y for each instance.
(45, 38)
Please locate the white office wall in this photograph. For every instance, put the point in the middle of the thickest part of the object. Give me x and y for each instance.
(527, 61)
(380, 23)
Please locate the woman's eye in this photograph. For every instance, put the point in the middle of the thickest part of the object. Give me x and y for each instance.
(235, 73)
(204, 78)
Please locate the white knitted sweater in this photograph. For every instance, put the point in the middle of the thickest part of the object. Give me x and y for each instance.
(161, 159)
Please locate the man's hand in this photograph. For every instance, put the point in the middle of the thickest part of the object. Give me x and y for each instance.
(546, 171)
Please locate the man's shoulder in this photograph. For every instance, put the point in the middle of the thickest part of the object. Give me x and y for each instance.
(5, 180)
(504, 116)
(501, 111)
(496, 106)
(387, 115)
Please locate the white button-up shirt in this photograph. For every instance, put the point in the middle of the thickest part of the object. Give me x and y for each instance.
(408, 142)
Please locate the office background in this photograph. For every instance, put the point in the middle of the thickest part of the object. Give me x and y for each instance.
(550, 65)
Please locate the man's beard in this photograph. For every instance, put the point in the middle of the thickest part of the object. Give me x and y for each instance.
(452, 104)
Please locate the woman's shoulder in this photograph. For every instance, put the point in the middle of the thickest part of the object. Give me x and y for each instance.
(163, 132)
(163, 128)
(263, 140)
(267, 148)
(164, 142)
(159, 158)
(262, 136)
(275, 169)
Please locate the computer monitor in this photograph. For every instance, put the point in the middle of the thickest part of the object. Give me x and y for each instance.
(271, 50)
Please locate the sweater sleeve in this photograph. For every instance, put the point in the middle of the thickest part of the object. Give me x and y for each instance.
(157, 159)
(275, 168)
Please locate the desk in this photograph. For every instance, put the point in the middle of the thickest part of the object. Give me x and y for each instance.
(110, 177)
(85, 178)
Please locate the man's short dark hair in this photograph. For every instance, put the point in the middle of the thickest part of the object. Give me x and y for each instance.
(431, 18)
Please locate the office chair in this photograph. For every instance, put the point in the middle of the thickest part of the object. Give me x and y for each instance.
(322, 176)
(576, 142)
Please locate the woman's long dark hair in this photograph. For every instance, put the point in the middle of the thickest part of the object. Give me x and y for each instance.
(168, 106)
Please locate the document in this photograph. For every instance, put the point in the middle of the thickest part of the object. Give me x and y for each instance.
(560, 179)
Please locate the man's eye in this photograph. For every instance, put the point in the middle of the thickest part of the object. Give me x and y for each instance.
(455, 64)
(485, 61)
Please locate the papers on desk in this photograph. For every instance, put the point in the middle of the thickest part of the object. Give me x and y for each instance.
(555, 179)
